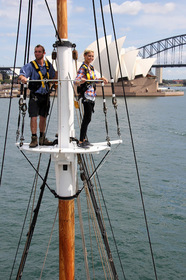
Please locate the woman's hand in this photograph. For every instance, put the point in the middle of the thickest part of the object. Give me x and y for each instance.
(79, 82)
(104, 80)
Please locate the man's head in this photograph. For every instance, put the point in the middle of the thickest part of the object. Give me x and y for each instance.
(39, 52)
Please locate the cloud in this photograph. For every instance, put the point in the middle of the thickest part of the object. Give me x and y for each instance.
(135, 7)
(156, 8)
(167, 24)
(8, 34)
(128, 7)
(80, 9)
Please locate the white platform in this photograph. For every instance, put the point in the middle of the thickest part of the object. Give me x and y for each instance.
(73, 149)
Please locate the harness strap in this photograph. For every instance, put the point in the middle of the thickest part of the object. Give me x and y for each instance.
(87, 71)
(36, 66)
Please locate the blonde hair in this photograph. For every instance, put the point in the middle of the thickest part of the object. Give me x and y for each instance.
(87, 51)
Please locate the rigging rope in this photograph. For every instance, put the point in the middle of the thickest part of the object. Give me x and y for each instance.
(97, 233)
(100, 223)
(114, 100)
(10, 102)
(32, 226)
(22, 101)
(100, 66)
(112, 231)
(57, 34)
(83, 237)
(133, 148)
(48, 244)
(21, 234)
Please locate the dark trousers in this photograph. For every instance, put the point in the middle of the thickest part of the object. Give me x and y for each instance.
(88, 110)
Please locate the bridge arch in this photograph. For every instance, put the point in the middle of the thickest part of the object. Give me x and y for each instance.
(163, 45)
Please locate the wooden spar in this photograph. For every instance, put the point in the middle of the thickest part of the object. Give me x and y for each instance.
(62, 18)
(66, 207)
(66, 240)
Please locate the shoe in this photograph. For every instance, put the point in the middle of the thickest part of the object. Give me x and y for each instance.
(44, 141)
(82, 145)
(87, 143)
(33, 142)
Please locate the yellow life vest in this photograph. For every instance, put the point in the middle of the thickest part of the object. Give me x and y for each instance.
(36, 66)
(87, 71)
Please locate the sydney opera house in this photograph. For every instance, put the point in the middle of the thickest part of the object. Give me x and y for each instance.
(133, 72)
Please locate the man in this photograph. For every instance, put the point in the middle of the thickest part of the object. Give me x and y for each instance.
(39, 102)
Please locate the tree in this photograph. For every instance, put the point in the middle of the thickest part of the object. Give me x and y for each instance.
(5, 75)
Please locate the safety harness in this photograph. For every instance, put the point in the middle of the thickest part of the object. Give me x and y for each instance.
(83, 87)
(36, 66)
(87, 71)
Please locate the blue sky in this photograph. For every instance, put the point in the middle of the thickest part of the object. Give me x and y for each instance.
(142, 22)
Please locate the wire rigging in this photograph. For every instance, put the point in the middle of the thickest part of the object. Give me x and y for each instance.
(21, 234)
(32, 226)
(22, 107)
(133, 148)
(22, 101)
(48, 244)
(114, 100)
(57, 34)
(100, 222)
(10, 101)
(100, 67)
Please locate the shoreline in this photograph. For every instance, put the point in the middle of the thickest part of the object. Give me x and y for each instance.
(130, 91)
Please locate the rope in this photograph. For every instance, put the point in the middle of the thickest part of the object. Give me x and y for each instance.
(21, 234)
(114, 239)
(32, 226)
(100, 66)
(57, 34)
(107, 267)
(134, 153)
(114, 100)
(83, 238)
(48, 244)
(26, 59)
(100, 223)
(10, 102)
(96, 232)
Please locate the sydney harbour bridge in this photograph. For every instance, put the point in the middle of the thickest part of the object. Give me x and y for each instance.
(169, 52)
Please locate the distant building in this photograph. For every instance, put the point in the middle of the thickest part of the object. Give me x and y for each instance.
(132, 66)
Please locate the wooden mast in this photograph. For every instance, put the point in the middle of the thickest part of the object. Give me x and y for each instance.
(66, 207)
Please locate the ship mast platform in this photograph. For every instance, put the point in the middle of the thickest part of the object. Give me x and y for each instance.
(96, 148)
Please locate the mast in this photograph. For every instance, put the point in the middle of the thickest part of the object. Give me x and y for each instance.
(65, 164)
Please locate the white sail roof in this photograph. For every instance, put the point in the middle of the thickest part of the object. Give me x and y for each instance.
(93, 46)
(131, 64)
(142, 66)
(128, 61)
(112, 57)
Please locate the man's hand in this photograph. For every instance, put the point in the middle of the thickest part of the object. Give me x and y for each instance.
(22, 79)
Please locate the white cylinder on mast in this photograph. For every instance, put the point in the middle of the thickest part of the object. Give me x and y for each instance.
(65, 163)
(65, 97)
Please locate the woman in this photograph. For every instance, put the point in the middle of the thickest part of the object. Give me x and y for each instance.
(88, 92)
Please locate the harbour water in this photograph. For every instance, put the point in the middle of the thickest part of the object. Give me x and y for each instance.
(159, 133)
